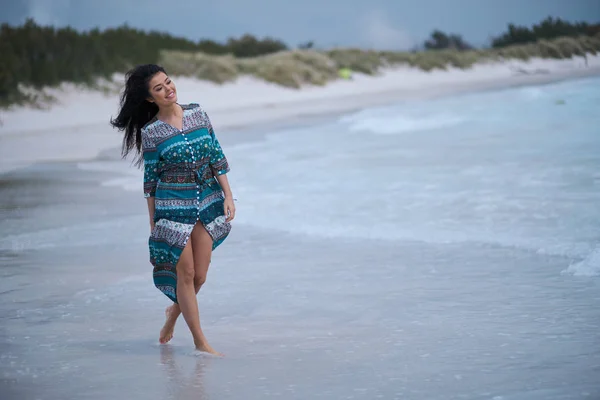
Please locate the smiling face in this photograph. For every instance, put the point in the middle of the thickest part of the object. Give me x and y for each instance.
(162, 90)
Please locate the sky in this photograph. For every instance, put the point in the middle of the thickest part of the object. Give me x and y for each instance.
(383, 24)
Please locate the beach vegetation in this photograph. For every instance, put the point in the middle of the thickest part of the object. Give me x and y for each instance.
(443, 41)
(35, 57)
(548, 29)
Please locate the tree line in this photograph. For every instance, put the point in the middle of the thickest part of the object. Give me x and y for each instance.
(38, 56)
(548, 29)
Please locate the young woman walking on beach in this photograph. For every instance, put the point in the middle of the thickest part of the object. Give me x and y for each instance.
(186, 187)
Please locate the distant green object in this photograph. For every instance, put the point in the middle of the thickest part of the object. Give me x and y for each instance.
(345, 73)
(560, 102)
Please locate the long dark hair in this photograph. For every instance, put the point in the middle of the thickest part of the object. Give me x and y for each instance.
(135, 110)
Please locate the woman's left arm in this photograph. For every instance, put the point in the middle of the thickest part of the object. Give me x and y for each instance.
(228, 202)
(220, 168)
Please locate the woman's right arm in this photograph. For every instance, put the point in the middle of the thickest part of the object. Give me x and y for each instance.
(151, 211)
(150, 155)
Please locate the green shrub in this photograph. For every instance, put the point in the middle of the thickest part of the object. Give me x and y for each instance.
(365, 61)
(218, 69)
(523, 52)
(316, 60)
(282, 72)
(569, 47)
(589, 44)
(397, 57)
(549, 50)
(429, 60)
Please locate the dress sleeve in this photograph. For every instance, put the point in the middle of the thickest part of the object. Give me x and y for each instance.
(150, 155)
(218, 161)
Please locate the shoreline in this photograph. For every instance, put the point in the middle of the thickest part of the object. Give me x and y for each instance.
(29, 136)
(313, 113)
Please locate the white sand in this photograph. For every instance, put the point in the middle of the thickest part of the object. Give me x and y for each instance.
(78, 127)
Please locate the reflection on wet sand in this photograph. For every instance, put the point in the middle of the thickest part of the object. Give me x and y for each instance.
(179, 384)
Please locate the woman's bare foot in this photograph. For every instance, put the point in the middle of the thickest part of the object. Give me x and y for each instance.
(205, 347)
(166, 333)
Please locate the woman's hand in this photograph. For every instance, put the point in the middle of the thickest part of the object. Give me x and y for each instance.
(229, 208)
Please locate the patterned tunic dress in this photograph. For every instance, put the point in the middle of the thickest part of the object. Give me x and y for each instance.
(180, 169)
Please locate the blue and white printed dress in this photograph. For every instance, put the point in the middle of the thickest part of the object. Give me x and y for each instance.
(180, 169)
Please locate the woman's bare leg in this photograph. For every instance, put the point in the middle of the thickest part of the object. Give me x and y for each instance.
(186, 293)
(202, 246)
(172, 313)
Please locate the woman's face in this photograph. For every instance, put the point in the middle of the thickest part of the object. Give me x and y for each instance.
(162, 90)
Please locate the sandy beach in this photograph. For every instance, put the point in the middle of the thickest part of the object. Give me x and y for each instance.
(408, 236)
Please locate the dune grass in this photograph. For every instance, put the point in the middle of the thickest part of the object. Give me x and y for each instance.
(298, 68)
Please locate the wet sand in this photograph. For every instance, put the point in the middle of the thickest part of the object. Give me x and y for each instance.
(297, 317)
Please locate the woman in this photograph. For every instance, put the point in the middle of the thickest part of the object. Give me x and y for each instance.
(185, 184)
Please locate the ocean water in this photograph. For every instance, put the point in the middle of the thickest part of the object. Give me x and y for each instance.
(514, 168)
(439, 249)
